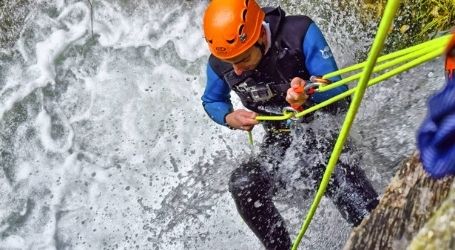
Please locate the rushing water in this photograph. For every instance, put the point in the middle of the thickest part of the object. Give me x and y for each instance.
(104, 143)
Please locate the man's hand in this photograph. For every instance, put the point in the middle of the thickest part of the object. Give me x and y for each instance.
(296, 95)
(242, 119)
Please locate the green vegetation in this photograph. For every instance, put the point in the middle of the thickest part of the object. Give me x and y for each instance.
(416, 21)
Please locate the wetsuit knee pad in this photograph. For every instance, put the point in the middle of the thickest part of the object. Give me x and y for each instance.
(356, 206)
(352, 193)
(250, 180)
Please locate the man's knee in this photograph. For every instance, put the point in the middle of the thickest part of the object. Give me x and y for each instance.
(250, 180)
(353, 194)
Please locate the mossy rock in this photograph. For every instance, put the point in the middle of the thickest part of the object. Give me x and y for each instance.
(439, 231)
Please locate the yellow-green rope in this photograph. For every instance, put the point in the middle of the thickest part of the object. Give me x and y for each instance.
(376, 80)
(250, 137)
(388, 64)
(389, 13)
(424, 52)
(440, 40)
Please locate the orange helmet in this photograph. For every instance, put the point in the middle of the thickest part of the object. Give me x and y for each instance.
(232, 26)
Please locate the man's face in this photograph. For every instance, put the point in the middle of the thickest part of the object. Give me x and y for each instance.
(246, 61)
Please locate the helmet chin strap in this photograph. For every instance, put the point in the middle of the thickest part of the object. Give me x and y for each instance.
(261, 47)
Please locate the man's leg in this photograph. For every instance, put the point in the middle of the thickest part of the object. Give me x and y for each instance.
(352, 193)
(251, 189)
(349, 189)
(251, 186)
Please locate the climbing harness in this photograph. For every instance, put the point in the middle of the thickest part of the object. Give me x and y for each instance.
(291, 114)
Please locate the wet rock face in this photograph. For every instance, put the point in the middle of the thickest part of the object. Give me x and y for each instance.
(408, 202)
(12, 16)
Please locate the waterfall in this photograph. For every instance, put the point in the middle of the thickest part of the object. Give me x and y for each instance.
(104, 143)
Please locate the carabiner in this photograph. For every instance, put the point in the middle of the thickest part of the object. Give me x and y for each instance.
(311, 87)
(320, 80)
(293, 111)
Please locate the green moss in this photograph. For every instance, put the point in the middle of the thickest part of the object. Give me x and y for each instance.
(439, 232)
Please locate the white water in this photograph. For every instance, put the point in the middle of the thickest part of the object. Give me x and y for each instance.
(105, 145)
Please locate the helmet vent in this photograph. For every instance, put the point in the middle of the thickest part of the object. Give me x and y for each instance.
(244, 14)
(231, 41)
(246, 2)
(242, 35)
(241, 29)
